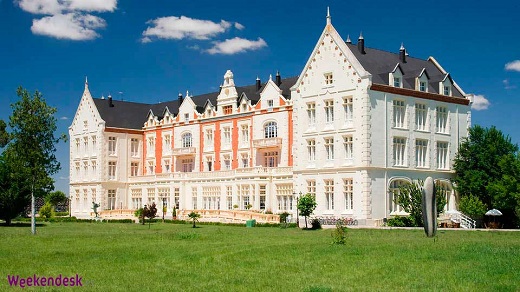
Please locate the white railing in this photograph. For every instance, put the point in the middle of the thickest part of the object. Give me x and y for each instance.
(267, 142)
(184, 151)
(464, 220)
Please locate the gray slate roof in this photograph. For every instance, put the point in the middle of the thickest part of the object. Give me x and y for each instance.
(133, 115)
(379, 63)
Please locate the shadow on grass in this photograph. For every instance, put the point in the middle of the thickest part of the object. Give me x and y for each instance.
(21, 224)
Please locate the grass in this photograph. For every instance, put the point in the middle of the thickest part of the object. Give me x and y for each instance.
(175, 257)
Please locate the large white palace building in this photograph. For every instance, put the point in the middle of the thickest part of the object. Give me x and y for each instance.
(354, 125)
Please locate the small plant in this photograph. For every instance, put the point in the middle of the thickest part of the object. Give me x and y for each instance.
(174, 213)
(315, 224)
(195, 217)
(268, 211)
(139, 214)
(248, 206)
(400, 222)
(339, 235)
(149, 212)
(235, 206)
(306, 205)
(283, 217)
(47, 211)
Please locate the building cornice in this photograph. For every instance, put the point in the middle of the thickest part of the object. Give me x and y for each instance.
(122, 130)
(419, 94)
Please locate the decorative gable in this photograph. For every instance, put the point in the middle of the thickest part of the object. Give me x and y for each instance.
(396, 76)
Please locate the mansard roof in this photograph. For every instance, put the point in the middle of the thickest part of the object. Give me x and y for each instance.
(380, 63)
(133, 115)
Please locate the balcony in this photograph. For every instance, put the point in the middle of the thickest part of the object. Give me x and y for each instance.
(184, 151)
(267, 142)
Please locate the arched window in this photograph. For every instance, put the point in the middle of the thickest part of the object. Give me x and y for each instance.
(186, 140)
(270, 130)
(393, 192)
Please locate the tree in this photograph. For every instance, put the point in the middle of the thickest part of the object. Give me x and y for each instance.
(15, 194)
(4, 136)
(409, 198)
(306, 205)
(55, 198)
(195, 217)
(32, 146)
(487, 167)
(149, 212)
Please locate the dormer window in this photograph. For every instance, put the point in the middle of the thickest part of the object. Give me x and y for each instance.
(397, 81)
(228, 109)
(244, 107)
(186, 117)
(422, 86)
(270, 103)
(447, 90)
(328, 78)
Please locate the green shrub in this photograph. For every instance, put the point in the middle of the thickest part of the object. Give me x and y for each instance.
(61, 214)
(283, 217)
(47, 211)
(472, 206)
(339, 235)
(400, 222)
(315, 224)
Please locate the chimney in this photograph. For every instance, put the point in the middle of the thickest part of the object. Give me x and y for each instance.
(110, 103)
(402, 53)
(278, 78)
(258, 83)
(180, 99)
(361, 44)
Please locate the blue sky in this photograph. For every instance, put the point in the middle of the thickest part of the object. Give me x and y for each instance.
(149, 51)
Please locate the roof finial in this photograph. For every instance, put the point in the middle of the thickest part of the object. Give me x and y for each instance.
(270, 77)
(402, 47)
(348, 39)
(187, 93)
(86, 82)
(360, 35)
(328, 15)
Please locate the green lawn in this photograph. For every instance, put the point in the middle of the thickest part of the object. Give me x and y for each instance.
(171, 257)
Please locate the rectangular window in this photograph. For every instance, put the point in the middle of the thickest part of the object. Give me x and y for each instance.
(328, 78)
(329, 111)
(348, 193)
(244, 160)
(176, 197)
(348, 107)
(227, 162)
(262, 191)
(311, 149)
(229, 197)
(270, 103)
(151, 167)
(311, 113)
(85, 168)
(151, 196)
(137, 200)
(421, 152)
(399, 113)
(194, 197)
(442, 119)
(397, 81)
(349, 147)
(85, 143)
(245, 133)
(112, 145)
(186, 117)
(166, 166)
(151, 147)
(329, 194)
(111, 199)
(447, 90)
(187, 165)
(93, 164)
(422, 86)
(227, 135)
(111, 170)
(77, 168)
(167, 142)
(228, 109)
(209, 136)
(311, 187)
(442, 155)
(399, 151)
(77, 145)
(209, 163)
(421, 114)
(134, 168)
(134, 147)
(329, 148)
(271, 159)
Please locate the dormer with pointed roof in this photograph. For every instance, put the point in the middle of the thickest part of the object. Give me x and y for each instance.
(228, 95)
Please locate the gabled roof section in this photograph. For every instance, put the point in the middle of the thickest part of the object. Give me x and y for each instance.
(379, 63)
(398, 66)
(424, 72)
(133, 115)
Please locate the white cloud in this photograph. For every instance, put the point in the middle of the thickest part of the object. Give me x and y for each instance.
(480, 103)
(72, 26)
(67, 19)
(236, 45)
(508, 85)
(59, 6)
(194, 47)
(64, 118)
(173, 27)
(513, 66)
(239, 26)
(64, 177)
